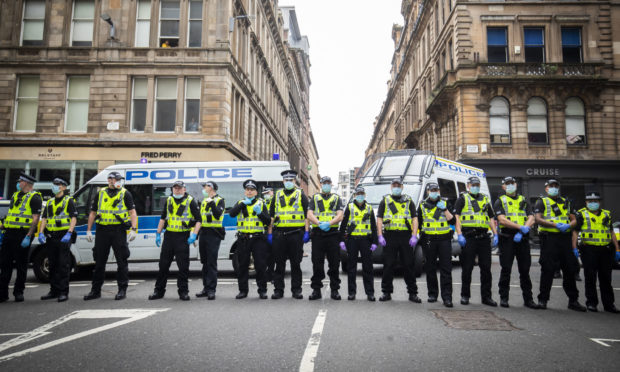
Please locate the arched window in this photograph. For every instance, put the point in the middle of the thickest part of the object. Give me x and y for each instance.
(537, 121)
(499, 120)
(575, 115)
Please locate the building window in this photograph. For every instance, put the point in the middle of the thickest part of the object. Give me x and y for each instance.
(534, 40)
(33, 22)
(537, 121)
(499, 114)
(138, 104)
(143, 23)
(195, 24)
(571, 45)
(192, 104)
(26, 104)
(497, 45)
(169, 24)
(575, 115)
(76, 117)
(82, 23)
(166, 104)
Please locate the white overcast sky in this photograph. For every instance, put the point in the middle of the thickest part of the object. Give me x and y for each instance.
(351, 49)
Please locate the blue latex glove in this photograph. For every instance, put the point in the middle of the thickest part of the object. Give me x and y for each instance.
(562, 226)
(461, 240)
(42, 238)
(441, 204)
(26, 242)
(247, 201)
(524, 230)
(343, 247)
(65, 239)
(495, 239)
(382, 241)
(517, 238)
(270, 238)
(306, 237)
(413, 241)
(576, 252)
(257, 208)
(158, 239)
(325, 226)
(373, 247)
(617, 256)
(192, 238)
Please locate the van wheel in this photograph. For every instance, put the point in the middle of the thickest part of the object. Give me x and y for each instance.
(418, 261)
(41, 265)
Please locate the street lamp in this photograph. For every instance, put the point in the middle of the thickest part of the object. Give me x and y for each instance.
(106, 17)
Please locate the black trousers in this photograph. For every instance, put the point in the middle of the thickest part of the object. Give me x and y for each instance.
(508, 250)
(598, 261)
(398, 246)
(480, 247)
(174, 246)
(554, 248)
(209, 246)
(271, 263)
(289, 246)
(59, 258)
(257, 248)
(325, 245)
(12, 255)
(442, 250)
(361, 247)
(113, 236)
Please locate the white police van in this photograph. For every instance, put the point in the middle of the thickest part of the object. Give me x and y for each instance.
(417, 169)
(150, 185)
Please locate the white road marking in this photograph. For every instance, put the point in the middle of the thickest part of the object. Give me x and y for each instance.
(603, 341)
(307, 361)
(10, 334)
(130, 315)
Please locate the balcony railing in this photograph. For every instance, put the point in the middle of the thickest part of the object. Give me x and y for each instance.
(524, 70)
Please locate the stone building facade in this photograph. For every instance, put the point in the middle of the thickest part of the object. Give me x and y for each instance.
(528, 89)
(176, 80)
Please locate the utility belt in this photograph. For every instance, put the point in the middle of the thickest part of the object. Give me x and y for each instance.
(246, 236)
(436, 237)
(359, 237)
(595, 247)
(58, 234)
(218, 231)
(318, 232)
(288, 232)
(473, 234)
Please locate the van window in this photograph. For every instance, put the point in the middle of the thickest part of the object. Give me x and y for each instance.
(83, 201)
(447, 190)
(462, 187)
(160, 195)
(142, 198)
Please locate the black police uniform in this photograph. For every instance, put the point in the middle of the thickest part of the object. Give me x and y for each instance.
(325, 244)
(175, 246)
(478, 244)
(397, 246)
(209, 246)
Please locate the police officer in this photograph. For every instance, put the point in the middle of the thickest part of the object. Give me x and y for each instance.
(474, 216)
(325, 213)
(115, 212)
(359, 230)
(436, 239)
(211, 234)
(555, 220)
(397, 214)
(598, 247)
(515, 221)
(271, 262)
(252, 223)
(57, 228)
(20, 226)
(290, 231)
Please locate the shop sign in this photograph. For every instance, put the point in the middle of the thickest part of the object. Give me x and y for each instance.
(542, 171)
(161, 155)
(49, 154)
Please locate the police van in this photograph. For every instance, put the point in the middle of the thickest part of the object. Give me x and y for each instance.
(150, 185)
(416, 169)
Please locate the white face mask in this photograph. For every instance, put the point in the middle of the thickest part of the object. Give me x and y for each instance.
(118, 184)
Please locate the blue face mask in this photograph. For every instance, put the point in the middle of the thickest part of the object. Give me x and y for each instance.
(289, 185)
(593, 206)
(360, 198)
(178, 196)
(326, 188)
(474, 190)
(18, 187)
(434, 195)
(55, 189)
(553, 191)
(397, 191)
(511, 189)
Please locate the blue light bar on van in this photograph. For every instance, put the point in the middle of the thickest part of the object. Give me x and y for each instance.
(276, 156)
(188, 174)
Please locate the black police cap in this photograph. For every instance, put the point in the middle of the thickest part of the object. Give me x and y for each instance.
(211, 184)
(593, 195)
(267, 189)
(27, 178)
(115, 175)
(60, 181)
(249, 184)
(552, 181)
(397, 181)
(178, 183)
(432, 186)
(360, 190)
(508, 180)
(289, 173)
(325, 179)
(473, 180)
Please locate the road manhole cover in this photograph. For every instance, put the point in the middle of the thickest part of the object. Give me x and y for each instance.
(474, 320)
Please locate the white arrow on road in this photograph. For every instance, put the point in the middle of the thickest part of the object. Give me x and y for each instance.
(603, 341)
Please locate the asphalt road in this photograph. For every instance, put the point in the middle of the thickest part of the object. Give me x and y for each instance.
(288, 334)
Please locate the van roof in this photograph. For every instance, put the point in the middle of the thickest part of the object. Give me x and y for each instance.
(210, 164)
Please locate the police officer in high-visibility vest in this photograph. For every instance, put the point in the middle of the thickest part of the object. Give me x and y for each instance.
(182, 220)
(20, 226)
(397, 216)
(515, 219)
(555, 220)
(57, 229)
(290, 231)
(252, 223)
(271, 261)
(474, 217)
(358, 237)
(599, 248)
(325, 214)
(434, 220)
(211, 234)
(115, 212)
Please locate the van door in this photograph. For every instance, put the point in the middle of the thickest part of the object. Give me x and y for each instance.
(143, 247)
(82, 249)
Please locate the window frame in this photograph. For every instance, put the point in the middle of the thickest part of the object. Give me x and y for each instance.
(189, 21)
(21, 36)
(508, 118)
(159, 36)
(580, 46)
(505, 46)
(73, 19)
(185, 99)
(155, 106)
(17, 100)
(133, 92)
(67, 101)
(546, 116)
(138, 20)
(585, 126)
(542, 46)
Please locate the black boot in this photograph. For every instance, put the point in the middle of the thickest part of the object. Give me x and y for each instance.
(92, 295)
(121, 295)
(315, 295)
(335, 295)
(49, 296)
(385, 297)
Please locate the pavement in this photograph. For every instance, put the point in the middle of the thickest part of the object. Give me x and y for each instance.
(324, 335)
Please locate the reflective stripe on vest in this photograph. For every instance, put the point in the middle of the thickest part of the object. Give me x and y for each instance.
(324, 209)
(397, 221)
(58, 214)
(289, 215)
(361, 218)
(109, 207)
(594, 231)
(208, 220)
(19, 215)
(512, 209)
(250, 224)
(432, 226)
(469, 217)
(175, 222)
(550, 216)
